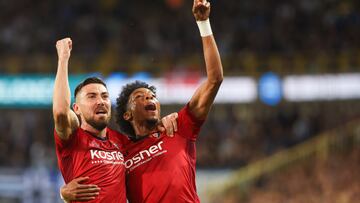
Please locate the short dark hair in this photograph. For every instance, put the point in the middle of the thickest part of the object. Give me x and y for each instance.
(87, 81)
(122, 105)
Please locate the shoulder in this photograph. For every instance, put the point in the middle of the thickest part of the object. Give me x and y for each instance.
(185, 115)
(188, 125)
(69, 142)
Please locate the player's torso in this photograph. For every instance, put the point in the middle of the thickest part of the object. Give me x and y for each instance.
(101, 160)
(161, 169)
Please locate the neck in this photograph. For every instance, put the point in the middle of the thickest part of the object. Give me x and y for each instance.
(94, 131)
(144, 128)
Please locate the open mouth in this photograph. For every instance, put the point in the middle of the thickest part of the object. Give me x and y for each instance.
(150, 107)
(101, 112)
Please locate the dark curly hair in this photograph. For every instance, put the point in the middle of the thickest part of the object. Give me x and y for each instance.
(122, 106)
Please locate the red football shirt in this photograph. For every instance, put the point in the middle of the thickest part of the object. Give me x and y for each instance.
(161, 168)
(100, 159)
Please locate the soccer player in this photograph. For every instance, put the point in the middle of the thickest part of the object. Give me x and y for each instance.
(85, 146)
(160, 169)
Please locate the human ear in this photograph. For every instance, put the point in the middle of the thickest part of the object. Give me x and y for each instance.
(127, 116)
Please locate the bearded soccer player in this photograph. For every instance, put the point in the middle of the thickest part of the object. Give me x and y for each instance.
(159, 168)
(87, 147)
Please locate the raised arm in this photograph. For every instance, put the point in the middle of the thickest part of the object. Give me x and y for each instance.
(65, 119)
(204, 96)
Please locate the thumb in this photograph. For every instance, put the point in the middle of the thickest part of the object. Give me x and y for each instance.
(70, 44)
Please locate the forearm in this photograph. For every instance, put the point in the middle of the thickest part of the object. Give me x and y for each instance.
(204, 96)
(213, 64)
(61, 97)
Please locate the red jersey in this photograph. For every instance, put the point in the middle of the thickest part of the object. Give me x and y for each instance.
(100, 159)
(161, 168)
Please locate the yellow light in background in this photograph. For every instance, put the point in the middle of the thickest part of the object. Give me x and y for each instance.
(174, 4)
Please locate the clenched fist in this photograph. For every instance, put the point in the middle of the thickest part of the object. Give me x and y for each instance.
(63, 48)
(201, 10)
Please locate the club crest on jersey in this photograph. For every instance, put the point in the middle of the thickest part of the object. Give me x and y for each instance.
(94, 144)
(155, 135)
(117, 147)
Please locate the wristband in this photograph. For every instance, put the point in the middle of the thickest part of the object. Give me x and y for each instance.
(204, 27)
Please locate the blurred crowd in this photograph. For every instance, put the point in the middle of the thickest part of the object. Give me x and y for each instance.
(161, 37)
(232, 136)
(296, 36)
(335, 179)
(27, 139)
(236, 135)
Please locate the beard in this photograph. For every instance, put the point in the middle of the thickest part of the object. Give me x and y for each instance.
(98, 125)
(151, 123)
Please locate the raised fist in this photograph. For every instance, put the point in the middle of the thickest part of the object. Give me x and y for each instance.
(63, 48)
(201, 10)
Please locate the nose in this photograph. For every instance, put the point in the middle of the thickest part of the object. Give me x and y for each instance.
(149, 97)
(100, 101)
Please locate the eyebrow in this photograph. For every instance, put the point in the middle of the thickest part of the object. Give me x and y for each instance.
(143, 91)
(95, 93)
(134, 94)
(90, 93)
(138, 91)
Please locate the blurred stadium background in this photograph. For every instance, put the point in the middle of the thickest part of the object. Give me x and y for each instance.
(285, 126)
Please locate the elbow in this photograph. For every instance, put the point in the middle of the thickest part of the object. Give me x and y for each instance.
(217, 80)
(219, 76)
(220, 79)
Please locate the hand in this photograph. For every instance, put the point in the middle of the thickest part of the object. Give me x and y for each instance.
(75, 191)
(169, 124)
(63, 48)
(201, 10)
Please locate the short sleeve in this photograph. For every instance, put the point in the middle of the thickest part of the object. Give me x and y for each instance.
(188, 125)
(62, 144)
